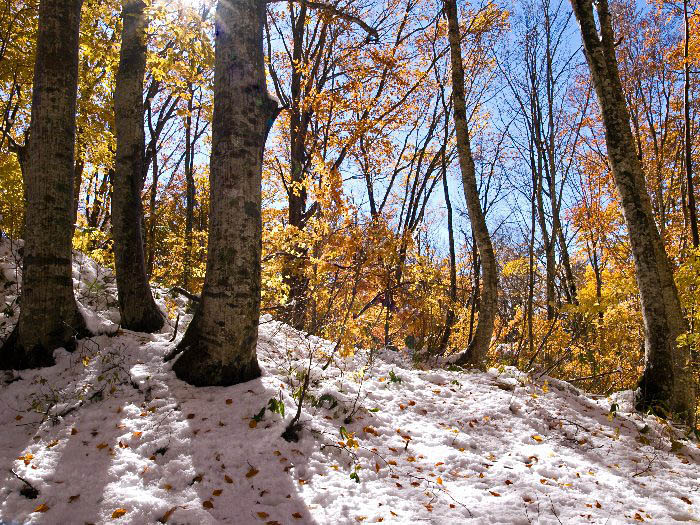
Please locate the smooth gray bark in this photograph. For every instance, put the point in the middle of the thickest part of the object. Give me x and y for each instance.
(137, 308)
(219, 347)
(666, 384)
(49, 316)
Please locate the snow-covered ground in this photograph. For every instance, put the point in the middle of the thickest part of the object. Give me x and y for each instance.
(110, 435)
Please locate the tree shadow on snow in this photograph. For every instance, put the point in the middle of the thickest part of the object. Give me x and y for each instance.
(591, 432)
(244, 473)
(68, 464)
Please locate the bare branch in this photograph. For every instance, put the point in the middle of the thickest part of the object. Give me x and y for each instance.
(371, 32)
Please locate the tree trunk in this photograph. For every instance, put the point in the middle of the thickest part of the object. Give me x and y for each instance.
(537, 168)
(666, 384)
(298, 126)
(531, 278)
(49, 317)
(190, 192)
(152, 216)
(78, 182)
(547, 240)
(475, 354)
(136, 305)
(692, 212)
(450, 317)
(569, 283)
(570, 280)
(219, 347)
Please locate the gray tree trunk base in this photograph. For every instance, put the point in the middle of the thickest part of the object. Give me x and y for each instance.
(13, 356)
(653, 394)
(198, 368)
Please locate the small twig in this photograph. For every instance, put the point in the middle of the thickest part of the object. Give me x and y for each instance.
(649, 464)
(182, 291)
(69, 410)
(177, 322)
(22, 479)
(292, 429)
(596, 376)
(554, 511)
(430, 483)
(348, 419)
(30, 490)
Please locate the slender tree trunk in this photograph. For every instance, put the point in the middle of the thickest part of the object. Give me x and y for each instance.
(537, 167)
(190, 193)
(152, 216)
(219, 347)
(475, 354)
(136, 305)
(547, 240)
(450, 318)
(570, 284)
(692, 212)
(666, 383)
(78, 181)
(531, 277)
(297, 131)
(298, 124)
(474, 295)
(49, 316)
(600, 332)
(555, 201)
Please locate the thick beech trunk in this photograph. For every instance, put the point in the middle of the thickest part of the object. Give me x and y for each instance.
(475, 354)
(219, 347)
(666, 383)
(136, 305)
(49, 316)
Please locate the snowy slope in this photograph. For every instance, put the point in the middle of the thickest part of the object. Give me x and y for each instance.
(109, 431)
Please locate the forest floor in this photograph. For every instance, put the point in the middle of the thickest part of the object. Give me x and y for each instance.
(110, 435)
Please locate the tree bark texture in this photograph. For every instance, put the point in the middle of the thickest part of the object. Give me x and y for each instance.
(666, 383)
(688, 146)
(298, 127)
(136, 305)
(477, 349)
(219, 347)
(49, 316)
